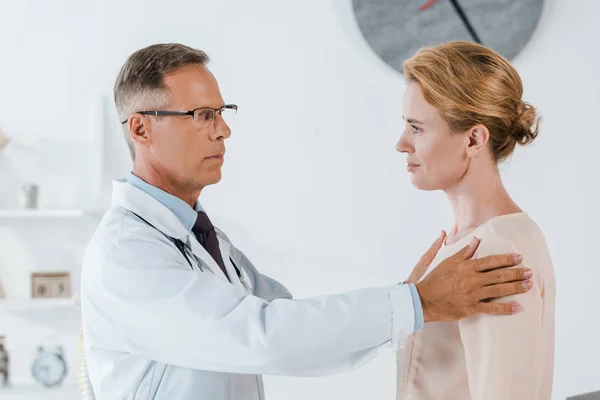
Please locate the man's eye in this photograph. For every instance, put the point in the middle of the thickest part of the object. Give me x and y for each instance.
(204, 115)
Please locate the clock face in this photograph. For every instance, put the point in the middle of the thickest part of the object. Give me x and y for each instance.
(49, 368)
(396, 29)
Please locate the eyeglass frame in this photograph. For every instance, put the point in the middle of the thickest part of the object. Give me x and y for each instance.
(167, 113)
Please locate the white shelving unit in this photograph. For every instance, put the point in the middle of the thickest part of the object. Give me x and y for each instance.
(45, 214)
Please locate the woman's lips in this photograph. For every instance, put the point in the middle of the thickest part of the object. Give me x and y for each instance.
(412, 167)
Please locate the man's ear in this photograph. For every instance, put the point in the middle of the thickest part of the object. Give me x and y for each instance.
(138, 129)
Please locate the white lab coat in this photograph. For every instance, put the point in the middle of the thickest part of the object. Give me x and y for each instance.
(156, 329)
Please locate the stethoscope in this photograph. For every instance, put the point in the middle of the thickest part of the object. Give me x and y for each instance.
(183, 249)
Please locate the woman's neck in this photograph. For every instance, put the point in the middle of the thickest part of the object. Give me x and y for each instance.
(478, 197)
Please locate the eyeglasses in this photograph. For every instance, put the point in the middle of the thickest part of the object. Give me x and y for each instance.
(203, 116)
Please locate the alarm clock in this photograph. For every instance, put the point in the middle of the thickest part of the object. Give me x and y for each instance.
(49, 367)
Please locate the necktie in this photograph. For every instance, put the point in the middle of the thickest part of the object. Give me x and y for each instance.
(204, 229)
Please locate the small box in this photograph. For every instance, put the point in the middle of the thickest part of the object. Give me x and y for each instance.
(50, 285)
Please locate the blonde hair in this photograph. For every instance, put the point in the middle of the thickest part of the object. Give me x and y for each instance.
(471, 84)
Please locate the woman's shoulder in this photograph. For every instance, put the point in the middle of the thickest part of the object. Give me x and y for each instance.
(517, 233)
(518, 229)
(510, 230)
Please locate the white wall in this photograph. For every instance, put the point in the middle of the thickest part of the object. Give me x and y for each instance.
(313, 189)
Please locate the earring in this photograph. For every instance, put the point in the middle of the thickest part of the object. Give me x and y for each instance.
(470, 152)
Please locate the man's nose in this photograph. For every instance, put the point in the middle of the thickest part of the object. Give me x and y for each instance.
(221, 128)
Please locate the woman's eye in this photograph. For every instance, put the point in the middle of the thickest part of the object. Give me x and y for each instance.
(416, 129)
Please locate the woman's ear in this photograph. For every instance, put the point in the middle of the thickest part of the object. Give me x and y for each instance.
(478, 135)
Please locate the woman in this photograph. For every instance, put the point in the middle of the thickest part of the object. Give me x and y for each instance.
(464, 114)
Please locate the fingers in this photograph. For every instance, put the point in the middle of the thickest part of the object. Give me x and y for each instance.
(467, 252)
(498, 308)
(442, 236)
(504, 275)
(495, 261)
(426, 260)
(428, 257)
(504, 289)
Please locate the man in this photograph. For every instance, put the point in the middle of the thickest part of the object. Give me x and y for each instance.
(172, 310)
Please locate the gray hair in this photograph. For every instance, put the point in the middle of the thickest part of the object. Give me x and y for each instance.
(140, 83)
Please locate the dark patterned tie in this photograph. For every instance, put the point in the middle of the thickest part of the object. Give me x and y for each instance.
(205, 230)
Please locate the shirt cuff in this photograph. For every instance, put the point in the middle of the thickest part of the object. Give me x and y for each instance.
(417, 307)
(403, 321)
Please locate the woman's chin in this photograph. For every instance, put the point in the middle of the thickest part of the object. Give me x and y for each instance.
(422, 184)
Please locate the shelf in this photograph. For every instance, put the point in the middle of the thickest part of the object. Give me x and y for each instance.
(21, 303)
(60, 314)
(21, 392)
(43, 213)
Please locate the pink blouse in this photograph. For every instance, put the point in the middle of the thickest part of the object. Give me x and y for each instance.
(488, 357)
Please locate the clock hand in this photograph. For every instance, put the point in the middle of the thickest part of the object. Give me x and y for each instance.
(465, 20)
(427, 5)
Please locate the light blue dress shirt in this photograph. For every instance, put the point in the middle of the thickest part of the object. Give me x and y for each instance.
(187, 215)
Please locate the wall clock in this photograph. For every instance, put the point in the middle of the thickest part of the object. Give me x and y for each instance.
(396, 29)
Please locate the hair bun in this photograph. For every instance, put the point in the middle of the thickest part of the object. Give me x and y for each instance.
(526, 126)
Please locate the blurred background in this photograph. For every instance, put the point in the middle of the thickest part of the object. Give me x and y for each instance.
(320, 94)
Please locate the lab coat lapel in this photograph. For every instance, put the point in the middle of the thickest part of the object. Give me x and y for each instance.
(225, 252)
(201, 253)
(225, 247)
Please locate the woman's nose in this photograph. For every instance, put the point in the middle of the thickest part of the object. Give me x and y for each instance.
(403, 145)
